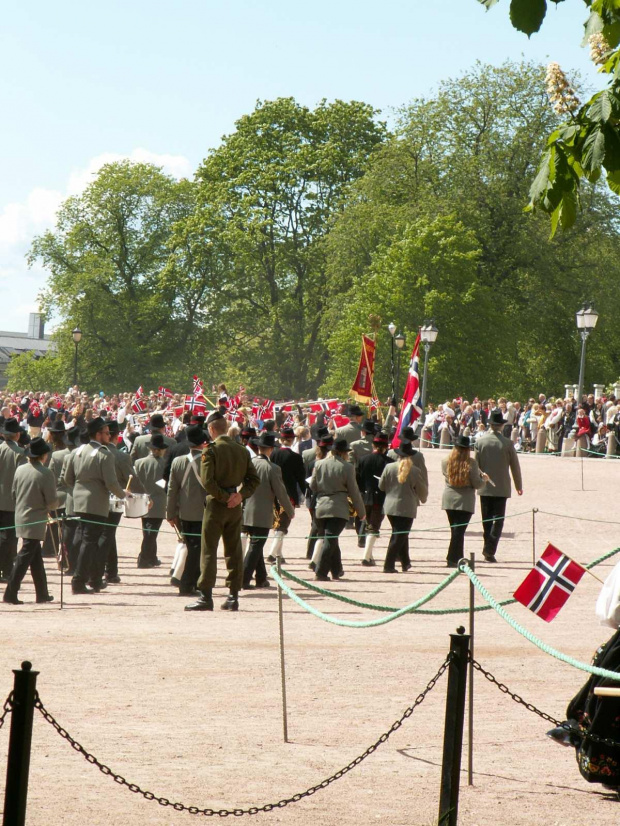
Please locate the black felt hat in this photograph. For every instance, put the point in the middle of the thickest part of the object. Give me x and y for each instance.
(462, 441)
(355, 410)
(496, 417)
(57, 426)
(368, 426)
(265, 440)
(157, 420)
(196, 435)
(157, 442)
(96, 425)
(11, 427)
(38, 447)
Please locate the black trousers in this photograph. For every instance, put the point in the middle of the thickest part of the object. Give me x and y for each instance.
(492, 507)
(90, 563)
(192, 533)
(313, 535)
(459, 520)
(107, 543)
(360, 530)
(148, 549)
(254, 562)
(28, 557)
(8, 543)
(398, 548)
(71, 539)
(331, 559)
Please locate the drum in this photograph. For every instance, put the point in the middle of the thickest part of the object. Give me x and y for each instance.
(137, 505)
(116, 505)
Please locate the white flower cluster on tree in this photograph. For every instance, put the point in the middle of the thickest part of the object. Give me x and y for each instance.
(561, 94)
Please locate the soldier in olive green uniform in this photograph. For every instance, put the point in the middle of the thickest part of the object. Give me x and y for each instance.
(11, 457)
(150, 471)
(92, 474)
(225, 465)
(107, 540)
(34, 493)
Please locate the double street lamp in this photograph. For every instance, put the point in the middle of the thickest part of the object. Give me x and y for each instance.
(428, 335)
(77, 337)
(586, 319)
(398, 341)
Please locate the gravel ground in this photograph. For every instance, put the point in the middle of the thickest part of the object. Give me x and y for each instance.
(189, 706)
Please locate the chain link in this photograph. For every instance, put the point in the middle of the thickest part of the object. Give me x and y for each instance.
(607, 741)
(268, 807)
(7, 708)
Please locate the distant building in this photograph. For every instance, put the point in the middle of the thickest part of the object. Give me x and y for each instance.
(15, 343)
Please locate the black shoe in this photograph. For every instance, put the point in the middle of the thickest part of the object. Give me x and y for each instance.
(406, 567)
(567, 734)
(361, 543)
(98, 585)
(48, 598)
(156, 563)
(80, 588)
(265, 584)
(194, 593)
(489, 558)
(368, 563)
(145, 565)
(248, 587)
(12, 600)
(231, 604)
(203, 603)
(312, 566)
(451, 564)
(322, 578)
(390, 571)
(282, 561)
(112, 579)
(271, 559)
(176, 582)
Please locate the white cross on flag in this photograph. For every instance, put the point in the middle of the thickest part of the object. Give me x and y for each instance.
(550, 583)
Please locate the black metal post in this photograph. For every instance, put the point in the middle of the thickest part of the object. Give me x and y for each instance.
(75, 365)
(453, 729)
(18, 765)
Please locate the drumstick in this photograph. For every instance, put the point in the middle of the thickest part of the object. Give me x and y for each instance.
(606, 691)
(128, 483)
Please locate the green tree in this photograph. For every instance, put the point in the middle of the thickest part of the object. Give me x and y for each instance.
(266, 198)
(587, 144)
(468, 154)
(106, 259)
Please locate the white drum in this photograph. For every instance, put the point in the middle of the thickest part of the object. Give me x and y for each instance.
(116, 505)
(137, 505)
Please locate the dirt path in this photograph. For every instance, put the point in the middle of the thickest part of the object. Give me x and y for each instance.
(188, 706)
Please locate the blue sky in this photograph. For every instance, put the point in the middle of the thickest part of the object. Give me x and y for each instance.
(82, 83)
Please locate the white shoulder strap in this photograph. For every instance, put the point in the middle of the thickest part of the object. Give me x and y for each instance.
(191, 465)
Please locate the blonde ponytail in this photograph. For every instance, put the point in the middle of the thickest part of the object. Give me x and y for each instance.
(404, 469)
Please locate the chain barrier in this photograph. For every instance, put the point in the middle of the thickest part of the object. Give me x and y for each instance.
(268, 807)
(7, 708)
(606, 741)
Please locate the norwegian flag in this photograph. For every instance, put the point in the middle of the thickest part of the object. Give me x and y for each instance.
(267, 410)
(324, 406)
(138, 405)
(167, 394)
(285, 407)
(198, 387)
(340, 421)
(177, 411)
(411, 410)
(196, 404)
(550, 583)
(139, 392)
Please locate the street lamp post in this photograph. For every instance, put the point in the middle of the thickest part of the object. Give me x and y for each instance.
(399, 341)
(392, 329)
(77, 337)
(586, 319)
(428, 334)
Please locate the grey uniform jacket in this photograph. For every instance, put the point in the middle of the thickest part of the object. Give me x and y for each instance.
(418, 461)
(140, 449)
(34, 494)
(361, 447)
(63, 485)
(497, 456)
(11, 457)
(461, 499)
(258, 508)
(334, 483)
(186, 495)
(55, 465)
(123, 465)
(149, 471)
(91, 471)
(351, 432)
(402, 500)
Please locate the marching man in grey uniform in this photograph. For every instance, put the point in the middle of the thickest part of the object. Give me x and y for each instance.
(140, 449)
(11, 457)
(258, 509)
(91, 471)
(352, 432)
(185, 505)
(360, 448)
(497, 458)
(150, 471)
(107, 540)
(56, 462)
(34, 492)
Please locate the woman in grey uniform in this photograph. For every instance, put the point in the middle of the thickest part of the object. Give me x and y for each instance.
(463, 478)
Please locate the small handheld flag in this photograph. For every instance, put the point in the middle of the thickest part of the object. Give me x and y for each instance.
(550, 583)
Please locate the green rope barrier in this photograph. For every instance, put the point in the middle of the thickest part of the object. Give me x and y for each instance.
(362, 623)
(547, 649)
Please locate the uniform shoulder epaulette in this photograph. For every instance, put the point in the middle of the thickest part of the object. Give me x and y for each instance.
(207, 449)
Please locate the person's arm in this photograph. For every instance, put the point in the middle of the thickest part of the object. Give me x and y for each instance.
(207, 476)
(477, 479)
(421, 485)
(277, 485)
(382, 480)
(251, 479)
(48, 489)
(172, 496)
(108, 467)
(354, 492)
(67, 474)
(515, 469)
